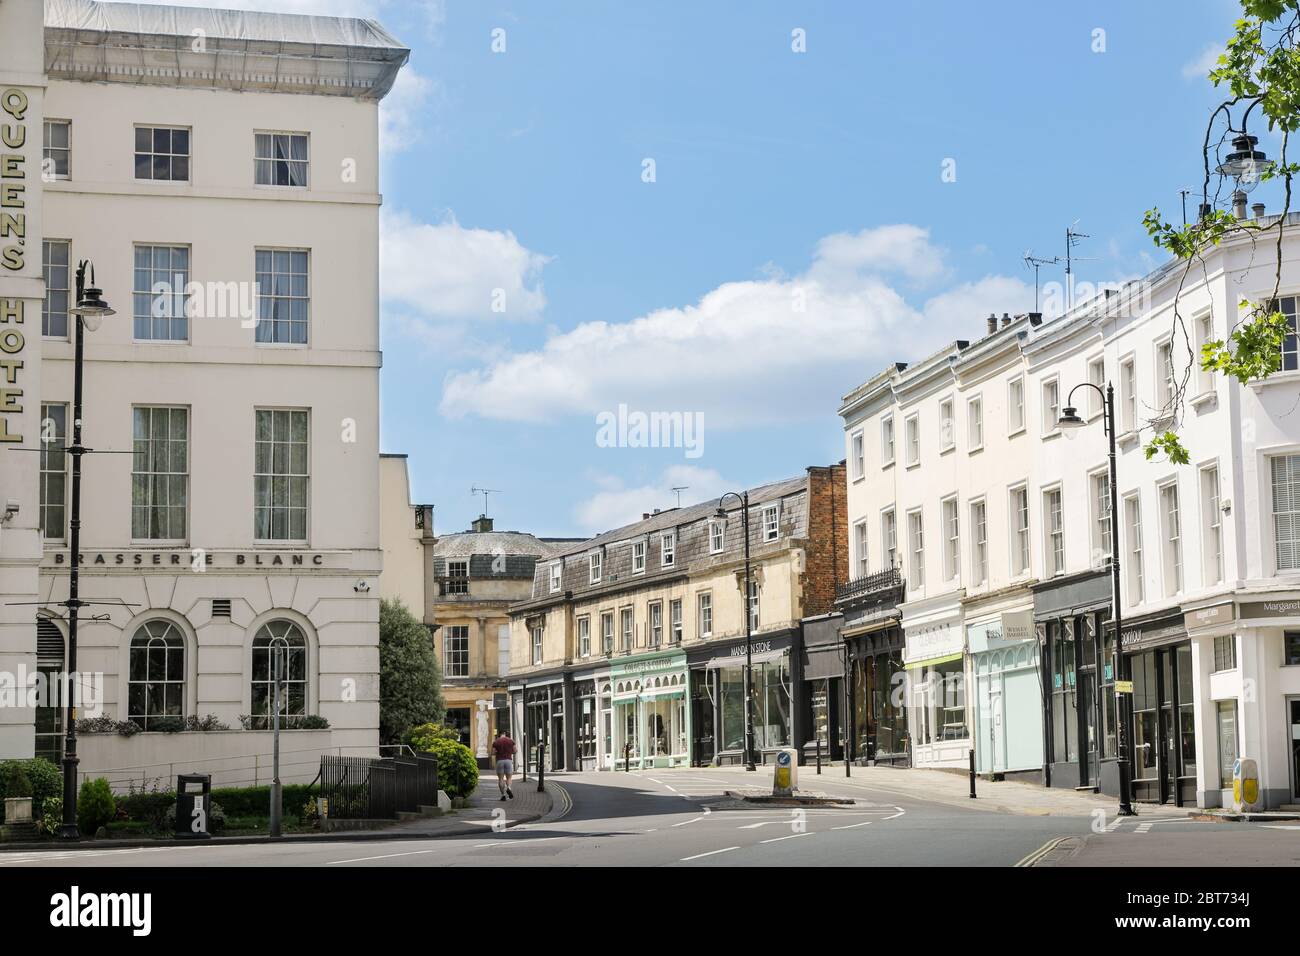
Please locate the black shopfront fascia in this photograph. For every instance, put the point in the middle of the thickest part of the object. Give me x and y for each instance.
(547, 699)
(822, 702)
(878, 725)
(710, 714)
(1162, 709)
(1076, 672)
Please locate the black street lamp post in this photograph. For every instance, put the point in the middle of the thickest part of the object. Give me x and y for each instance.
(743, 498)
(89, 311)
(1070, 420)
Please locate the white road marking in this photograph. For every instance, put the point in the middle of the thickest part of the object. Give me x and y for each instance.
(700, 856)
(1277, 826)
(386, 856)
(671, 787)
(853, 826)
(790, 837)
(684, 822)
(755, 826)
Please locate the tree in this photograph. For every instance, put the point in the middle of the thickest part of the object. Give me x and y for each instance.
(410, 683)
(1260, 68)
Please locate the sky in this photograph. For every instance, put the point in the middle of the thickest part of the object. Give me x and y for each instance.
(738, 211)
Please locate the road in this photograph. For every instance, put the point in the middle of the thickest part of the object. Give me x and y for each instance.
(663, 818)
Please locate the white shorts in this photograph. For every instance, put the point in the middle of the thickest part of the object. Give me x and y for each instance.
(505, 767)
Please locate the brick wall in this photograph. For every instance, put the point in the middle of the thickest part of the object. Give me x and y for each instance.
(828, 539)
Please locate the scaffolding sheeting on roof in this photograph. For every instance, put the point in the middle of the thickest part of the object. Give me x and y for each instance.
(221, 49)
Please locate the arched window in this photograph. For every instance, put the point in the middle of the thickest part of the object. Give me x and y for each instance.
(157, 673)
(293, 689)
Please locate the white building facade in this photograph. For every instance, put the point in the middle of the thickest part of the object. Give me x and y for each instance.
(1000, 523)
(220, 170)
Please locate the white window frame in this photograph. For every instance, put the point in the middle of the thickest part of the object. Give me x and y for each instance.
(947, 424)
(452, 653)
(1097, 377)
(887, 441)
(608, 632)
(1173, 570)
(305, 163)
(1054, 560)
(595, 567)
(667, 549)
(1099, 512)
(1015, 405)
(753, 606)
(676, 621)
(1203, 330)
(912, 440)
(889, 539)
(916, 547)
(47, 149)
(306, 474)
(584, 635)
(704, 613)
(1211, 523)
(538, 647)
(717, 536)
(188, 154)
(860, 545)
(951, 531)
(1283, 560)
(772, 521)
(639, 549)
(975, 424)
(1128, 389)
(1019, 526)
(626, 629)
(655, 624)
(1165, 376)
(1135, 578)
(979, 556)
(557, 576)
(1051, 406)
(858, 453)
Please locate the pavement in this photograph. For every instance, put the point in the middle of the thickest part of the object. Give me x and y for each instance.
(682, 817)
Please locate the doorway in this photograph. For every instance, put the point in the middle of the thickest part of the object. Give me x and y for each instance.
(1164, 726)
(1293, 708)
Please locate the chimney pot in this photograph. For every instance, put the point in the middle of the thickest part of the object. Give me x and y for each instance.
(1006, 319)
(1258, 210)
(1239, 204)
(993, 323)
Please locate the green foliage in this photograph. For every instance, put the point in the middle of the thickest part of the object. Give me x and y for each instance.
(216, 818)
(44, 780)
(1169, 445)
(423, 736)
(256, 801)
(410, 684)
(51, 818)
(1253, 350)
(17, 783)
(107, 725)
(457, 768)
(95, 805)
(287, 722)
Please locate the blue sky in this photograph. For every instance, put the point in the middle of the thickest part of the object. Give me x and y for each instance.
(778, 175)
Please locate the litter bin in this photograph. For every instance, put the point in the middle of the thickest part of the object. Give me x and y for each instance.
(193, 803)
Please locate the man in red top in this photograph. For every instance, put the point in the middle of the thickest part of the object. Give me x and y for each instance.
(503, 748)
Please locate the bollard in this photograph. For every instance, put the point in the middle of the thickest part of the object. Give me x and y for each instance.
(541, 767)
(627, 758)
(972, 773)
(819, 755)
(524, 778)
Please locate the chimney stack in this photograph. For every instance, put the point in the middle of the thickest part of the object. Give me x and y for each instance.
(1205, 211)
(1239, 204)
(1006, 319)
(993, 323)
(1257, 210)
(481, 524)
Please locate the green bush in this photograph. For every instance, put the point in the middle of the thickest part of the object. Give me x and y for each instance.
(216, 818)
(95, 806)
(17, 783)
(51, 820)
(410, 681)
(287, 722)
(147, 806)
(44, 779)
(422, 737)
(256, 801)
(457, 768)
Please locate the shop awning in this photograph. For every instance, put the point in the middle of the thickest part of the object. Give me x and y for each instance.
(823, 662)
(932, 661)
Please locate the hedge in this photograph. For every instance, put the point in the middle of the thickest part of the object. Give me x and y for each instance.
(236, 801)
(46, 779)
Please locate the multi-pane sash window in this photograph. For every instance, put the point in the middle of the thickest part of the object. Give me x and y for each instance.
(979, 528)
(538, 633)
(281, 480)
(1133, 521)
(1097, 377)
(159, 473)
(584, 636)
(54, 471)
(58, 287)
(668, 549)
(753, 605)
(1212, 545)
(675, 621)
(859, 455)
(607, 633)
(860, 548)
(1055, 527)
(1128, 395)
(1291, 343)
(457, 577)
(912, 427)
(625, 626)
(455, 649)
(156, 687)
(887, 440)
(1173, 539)
(56, 149)
(889, 539)
(1051, 406)
(975, 424)
(951, 540)
(162, 154)
(280, 159)
(771, 522)
(656, 623)
(160, 306)
(593, 567)
(638, 557)
(1286, 511)
(705, 613)
(1225, 653)
(717, 529)
(1101, 518)
(1015, 405)
(1204, 335)
(1019, 531)
(283, 296)
(947, 425)
(1165, 375)
(916, 541)
(556, 576)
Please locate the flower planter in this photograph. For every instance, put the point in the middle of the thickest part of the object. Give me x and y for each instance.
(18, 810)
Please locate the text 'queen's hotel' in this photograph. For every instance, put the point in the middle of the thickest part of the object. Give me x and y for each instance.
(220, 169)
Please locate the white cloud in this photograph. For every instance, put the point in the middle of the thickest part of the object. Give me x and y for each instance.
(616, 505)
(1208, 59)
(405, 112)
(753, 352)
(968, 305)
(440, 272)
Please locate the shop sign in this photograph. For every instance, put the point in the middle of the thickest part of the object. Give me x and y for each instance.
(927, 643)
(873, 615)
(1123, 687)
(197, 559)
(13, 233)
(1006, 631)
(1140, 639)
(1209, 616)
(1288, 608)
(673, 662)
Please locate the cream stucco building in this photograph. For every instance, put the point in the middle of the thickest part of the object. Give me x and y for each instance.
(220, 170)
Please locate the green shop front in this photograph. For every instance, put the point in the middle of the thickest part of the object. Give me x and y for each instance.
(651, 719)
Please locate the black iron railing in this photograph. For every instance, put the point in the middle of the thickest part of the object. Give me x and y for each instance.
(888, 580)
(366, 788)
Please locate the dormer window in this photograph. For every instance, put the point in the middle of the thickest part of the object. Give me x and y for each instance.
(556, 576)
(593, 565)
(638, 557)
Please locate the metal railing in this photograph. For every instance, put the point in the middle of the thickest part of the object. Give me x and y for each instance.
(361, 788)
(887, 580)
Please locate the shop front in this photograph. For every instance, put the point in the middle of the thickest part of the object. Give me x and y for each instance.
(1158, 658)
(935, 660)
(1008, 701)
(718, 698)
(648, 712)
(824, 726)
(592, 720)
(878, 711)
(540, 711)
(1080, 719)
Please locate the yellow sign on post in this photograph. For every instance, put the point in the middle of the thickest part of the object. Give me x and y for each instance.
(1123, 687)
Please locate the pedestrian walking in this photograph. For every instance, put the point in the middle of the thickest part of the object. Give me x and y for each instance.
(503, 748)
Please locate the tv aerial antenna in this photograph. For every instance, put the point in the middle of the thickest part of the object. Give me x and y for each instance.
(1037, 262)
(677, 490)
(1072, 239)
(485, 492)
